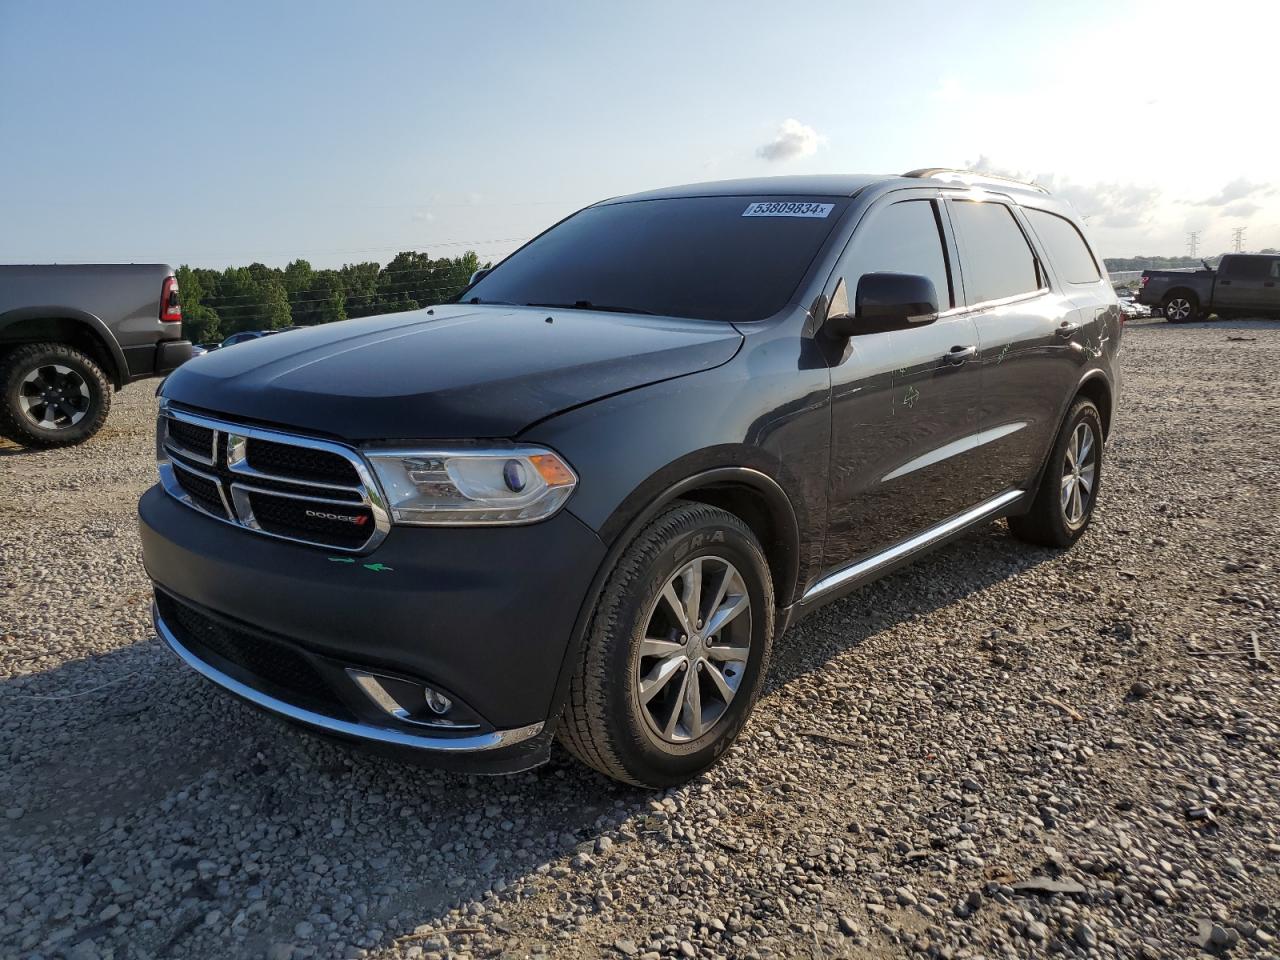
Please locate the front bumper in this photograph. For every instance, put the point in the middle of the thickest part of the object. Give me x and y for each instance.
(484, 615)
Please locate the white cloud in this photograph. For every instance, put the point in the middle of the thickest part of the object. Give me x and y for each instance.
(794, 140)
(1115, 205)
(1237, 189)
(1243, 209)
(423, 216)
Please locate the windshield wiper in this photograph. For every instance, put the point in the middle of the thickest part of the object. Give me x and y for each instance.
(588, 305)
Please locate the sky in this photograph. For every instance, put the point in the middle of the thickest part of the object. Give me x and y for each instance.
(223, 133)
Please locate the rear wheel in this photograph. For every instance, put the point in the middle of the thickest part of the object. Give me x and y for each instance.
(1181, 308)
(1068, 490)
(677, 650)
(51, 395)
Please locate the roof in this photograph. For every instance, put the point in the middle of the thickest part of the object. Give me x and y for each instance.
(836, 185)
(820, 185)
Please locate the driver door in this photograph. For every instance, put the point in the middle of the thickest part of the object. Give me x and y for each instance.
(905, 404)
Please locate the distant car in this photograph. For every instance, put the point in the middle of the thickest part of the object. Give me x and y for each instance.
(1244, 284)
(70, 335)
(244, 336)
(1132, 310)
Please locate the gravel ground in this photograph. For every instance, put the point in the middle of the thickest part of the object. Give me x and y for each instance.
(1000, 751)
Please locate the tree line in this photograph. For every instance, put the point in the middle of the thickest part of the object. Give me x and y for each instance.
(218, 303)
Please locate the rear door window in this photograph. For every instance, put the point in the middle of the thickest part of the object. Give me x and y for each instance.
(1066, 247)
(904, 237)
(995, 258)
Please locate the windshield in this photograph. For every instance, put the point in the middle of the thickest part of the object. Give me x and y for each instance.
(710, 258)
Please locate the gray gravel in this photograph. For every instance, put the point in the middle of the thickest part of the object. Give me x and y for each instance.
(1000, 751)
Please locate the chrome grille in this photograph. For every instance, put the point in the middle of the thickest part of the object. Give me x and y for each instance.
(276, 484)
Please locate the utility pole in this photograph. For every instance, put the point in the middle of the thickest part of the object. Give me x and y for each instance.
(1193, 243)
(1237, 235)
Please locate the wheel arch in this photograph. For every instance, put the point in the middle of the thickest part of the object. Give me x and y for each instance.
(1096, 388)
(738, 489)
(70, 326)
(1184, 291)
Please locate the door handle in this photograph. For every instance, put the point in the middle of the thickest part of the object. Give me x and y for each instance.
(1268, 283)
(1067, 330)
(1224, 283)
(958, 355)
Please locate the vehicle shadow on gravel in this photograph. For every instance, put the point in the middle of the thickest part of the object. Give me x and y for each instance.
(138, 784)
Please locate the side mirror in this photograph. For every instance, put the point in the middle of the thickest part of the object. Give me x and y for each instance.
(479, 274)
(882, 302)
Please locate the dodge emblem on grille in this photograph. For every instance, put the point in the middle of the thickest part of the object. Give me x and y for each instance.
(358, 521)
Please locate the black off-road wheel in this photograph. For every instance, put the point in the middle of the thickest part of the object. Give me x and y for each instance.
(1063, 506)
(676, 652)
(51, 395)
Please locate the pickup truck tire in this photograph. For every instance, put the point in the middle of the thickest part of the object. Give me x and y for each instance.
(643, 673)
(51, 395)
(1068, 489)
(1181, 307)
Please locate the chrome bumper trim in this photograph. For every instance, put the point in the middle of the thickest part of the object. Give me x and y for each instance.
(474, 743)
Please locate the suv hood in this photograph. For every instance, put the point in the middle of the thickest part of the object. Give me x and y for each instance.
(459, 372)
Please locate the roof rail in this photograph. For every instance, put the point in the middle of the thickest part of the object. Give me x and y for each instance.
(970, 176)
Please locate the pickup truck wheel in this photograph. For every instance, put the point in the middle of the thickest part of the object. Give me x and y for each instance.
(51, 395)
(676, 652)
(1068, 490)
(1181, 308)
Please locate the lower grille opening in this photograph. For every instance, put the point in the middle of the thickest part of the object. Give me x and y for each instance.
(203, 492)
(252, 657)
(330, 523)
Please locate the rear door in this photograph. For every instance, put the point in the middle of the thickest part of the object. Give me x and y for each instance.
(904, 406)
(1032, 338)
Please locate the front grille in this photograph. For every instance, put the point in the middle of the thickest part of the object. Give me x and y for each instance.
(191, 438)
(297, 488)
(251, 656)
(302, 463)
(204, 492)
(312, 521)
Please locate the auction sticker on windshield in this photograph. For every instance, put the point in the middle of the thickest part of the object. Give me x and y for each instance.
(781, 208)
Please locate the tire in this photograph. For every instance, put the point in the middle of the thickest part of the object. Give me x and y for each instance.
(1181, 308)
(51, 395)
(629, 712)
(1051, 522)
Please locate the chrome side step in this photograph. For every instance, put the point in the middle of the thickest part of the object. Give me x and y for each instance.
(863, 569)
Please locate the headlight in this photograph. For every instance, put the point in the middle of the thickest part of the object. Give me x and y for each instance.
(464, 486)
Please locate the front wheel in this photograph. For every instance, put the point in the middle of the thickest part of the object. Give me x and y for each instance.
(1068, 490)
(677, 650)
(51, 395)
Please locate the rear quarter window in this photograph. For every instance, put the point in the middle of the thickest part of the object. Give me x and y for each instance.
(1066, 246)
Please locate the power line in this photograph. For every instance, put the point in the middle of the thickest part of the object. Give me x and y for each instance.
(1193, 243)
(1237, 237)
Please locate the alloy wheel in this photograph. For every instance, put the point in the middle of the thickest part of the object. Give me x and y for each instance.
(54, 396)
(1079, 473)
(1177, 309)
(694, 653)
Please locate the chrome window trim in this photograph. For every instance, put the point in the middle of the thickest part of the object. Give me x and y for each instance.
(472, 743)
(239, 513)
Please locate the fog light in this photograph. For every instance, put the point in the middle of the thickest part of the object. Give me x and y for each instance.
(438, 702)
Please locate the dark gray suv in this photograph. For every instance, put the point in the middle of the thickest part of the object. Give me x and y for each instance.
(586, 498)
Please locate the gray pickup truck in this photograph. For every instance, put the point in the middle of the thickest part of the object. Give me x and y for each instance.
(69, 335)
(1244, 284)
